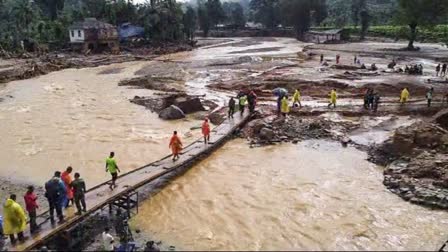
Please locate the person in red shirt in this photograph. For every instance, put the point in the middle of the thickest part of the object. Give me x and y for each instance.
(206, 131)
(31, 207)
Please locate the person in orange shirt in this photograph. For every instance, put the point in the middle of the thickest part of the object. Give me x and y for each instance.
(65, 176)
(206, 131)
(175, 145)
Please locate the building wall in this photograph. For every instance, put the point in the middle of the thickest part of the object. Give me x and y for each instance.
(77, 36)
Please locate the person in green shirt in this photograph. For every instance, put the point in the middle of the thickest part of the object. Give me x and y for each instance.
(79, 189)
(112, 167)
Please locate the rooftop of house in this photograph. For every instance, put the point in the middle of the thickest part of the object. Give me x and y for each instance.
(327, 32)
(91, 23)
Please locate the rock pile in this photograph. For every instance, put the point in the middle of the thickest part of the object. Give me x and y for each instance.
(419, 172)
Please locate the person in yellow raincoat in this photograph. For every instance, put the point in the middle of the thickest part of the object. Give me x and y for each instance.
(296, 98)
(285, 106)
(333, 98)
(14, 221)
(404, 97)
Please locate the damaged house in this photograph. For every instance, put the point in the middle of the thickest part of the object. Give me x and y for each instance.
(92, 35)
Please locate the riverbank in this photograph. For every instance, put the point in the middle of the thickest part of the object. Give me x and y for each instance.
(29, 65)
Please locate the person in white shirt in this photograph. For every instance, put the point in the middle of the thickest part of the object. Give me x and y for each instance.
(108, 240)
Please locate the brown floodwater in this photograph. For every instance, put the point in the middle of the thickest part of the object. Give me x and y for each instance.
(76, 117)
(313, 196)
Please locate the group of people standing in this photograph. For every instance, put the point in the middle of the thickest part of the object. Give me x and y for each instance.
(441, 70)
(371, 100)
(61, 191)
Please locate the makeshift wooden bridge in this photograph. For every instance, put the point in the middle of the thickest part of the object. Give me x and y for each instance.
(125, 195)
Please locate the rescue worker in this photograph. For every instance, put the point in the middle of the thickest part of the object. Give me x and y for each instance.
(112, 167)
(175, 145)
(79, 190)
(296, 99)
(65, 176)
(437, 69)
(333, 98)
(252, 99)
(231, 107)
(242, 103)
(206, 131)
(321, 58)
(429, 95)
(285, 106)
(55, 193)
(338, 58)
(31, 207)
(404, 97)
(14, 219)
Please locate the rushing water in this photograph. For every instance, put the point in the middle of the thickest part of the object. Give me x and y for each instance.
(76, 117)
(313, 196)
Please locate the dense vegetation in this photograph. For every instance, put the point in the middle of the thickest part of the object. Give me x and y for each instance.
(46, 21)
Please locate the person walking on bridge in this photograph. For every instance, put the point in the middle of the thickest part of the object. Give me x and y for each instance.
(112, 167)
(31, 207)
(231, 107)
(55, 193)
(14, 219)
(175, 145)
(79, 190)
(404, 97)
(206, 131)
(67, 181)
(333, 98)
(242, 103)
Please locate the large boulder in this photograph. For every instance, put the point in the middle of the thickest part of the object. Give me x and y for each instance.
(442, 118)
(266, 134)
(172, 113)
(190, 106)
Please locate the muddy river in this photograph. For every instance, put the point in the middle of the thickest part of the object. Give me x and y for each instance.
(315, 195)
(76, 117)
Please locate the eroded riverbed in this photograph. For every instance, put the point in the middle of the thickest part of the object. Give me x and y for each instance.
(313, 196)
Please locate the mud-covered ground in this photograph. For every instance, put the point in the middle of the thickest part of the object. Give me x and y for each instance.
(28, 65)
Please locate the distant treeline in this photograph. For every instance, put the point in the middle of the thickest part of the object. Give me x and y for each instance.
(47, 21)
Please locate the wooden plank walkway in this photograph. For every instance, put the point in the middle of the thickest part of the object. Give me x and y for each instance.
(101, 195)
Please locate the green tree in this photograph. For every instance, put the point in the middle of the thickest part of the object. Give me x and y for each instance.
(297, 13)
(356, 7)
(266, 12)
(234, 14)
(215, 12)
(51, 8)
(189, 20)
(365, 22)
(416, 13)
(320, 12)
(203, 18)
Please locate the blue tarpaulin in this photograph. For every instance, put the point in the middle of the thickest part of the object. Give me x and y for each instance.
(127, 31)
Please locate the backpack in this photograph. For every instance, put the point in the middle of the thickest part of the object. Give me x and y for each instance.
(52, 188)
